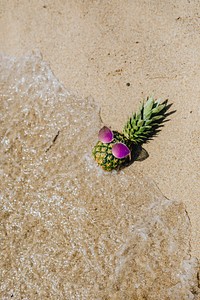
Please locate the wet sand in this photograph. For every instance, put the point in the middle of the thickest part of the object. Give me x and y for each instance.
(119, 54)
(96, 48)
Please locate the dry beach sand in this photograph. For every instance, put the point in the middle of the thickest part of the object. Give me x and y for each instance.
(69, 230)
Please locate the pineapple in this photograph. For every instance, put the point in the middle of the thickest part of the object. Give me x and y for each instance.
(102, 152)
(114, 149)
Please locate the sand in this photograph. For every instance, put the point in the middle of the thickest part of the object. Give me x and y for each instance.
(119, 52)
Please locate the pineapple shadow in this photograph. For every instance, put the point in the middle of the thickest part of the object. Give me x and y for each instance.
(138, 153)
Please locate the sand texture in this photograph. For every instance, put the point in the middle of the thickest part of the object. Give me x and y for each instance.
(68, 229)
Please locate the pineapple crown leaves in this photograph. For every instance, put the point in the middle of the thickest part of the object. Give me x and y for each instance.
(145, 124)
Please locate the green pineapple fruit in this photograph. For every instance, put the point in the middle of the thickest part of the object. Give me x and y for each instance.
(139, 128)
(103, 152)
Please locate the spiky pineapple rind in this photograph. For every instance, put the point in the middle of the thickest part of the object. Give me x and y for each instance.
(102, 153)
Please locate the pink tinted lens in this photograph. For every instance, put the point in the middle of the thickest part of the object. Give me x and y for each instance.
(105, 135)
(120, 150)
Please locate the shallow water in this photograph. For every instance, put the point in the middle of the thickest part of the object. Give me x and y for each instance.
(70, 230)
